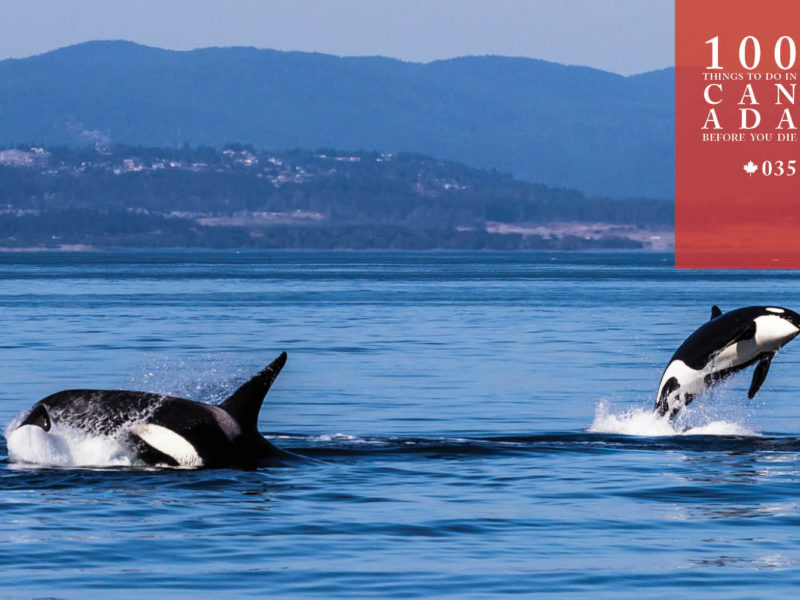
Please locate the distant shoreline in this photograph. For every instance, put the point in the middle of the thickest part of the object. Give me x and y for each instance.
(76, 249)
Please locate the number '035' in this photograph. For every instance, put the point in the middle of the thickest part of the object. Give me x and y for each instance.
(785, 53)
(779, 168)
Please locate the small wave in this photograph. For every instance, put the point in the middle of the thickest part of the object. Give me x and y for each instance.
(344, 437)
(644, 422)
(721, 428)
(334, 437)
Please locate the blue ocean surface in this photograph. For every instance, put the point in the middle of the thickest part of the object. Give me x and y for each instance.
(479, 425)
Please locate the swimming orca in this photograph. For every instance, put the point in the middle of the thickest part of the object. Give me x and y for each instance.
(159, 430)
(722, 346)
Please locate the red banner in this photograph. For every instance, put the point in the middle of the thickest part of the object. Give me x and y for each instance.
(737, 158)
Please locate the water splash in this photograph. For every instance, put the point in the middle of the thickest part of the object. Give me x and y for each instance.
(209, 378)
(645, 423)
(63, 447)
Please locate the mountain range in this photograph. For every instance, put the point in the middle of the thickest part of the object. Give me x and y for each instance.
(563, 126)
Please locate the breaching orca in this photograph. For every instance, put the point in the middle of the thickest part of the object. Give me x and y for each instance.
(724, 345)
(159, 430)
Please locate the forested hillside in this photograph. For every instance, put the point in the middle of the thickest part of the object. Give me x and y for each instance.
(241, 197)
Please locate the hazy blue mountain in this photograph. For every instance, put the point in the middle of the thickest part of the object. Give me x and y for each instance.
(560, 125)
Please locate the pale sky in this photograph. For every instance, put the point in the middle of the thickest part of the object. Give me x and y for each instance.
(623, 36)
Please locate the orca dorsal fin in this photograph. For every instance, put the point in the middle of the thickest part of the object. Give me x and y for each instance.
(715, 312)
(245, 403)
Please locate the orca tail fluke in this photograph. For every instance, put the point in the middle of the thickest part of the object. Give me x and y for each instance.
(245, 403)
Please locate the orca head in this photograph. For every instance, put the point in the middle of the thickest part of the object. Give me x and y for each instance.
(776, 327)
(787, 315)
(38, 417)
(39, 439)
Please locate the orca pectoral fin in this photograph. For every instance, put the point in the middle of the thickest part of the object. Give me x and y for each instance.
(715, 312)
(760, 374)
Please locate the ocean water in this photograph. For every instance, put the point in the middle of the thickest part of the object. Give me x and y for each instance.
(479, 426)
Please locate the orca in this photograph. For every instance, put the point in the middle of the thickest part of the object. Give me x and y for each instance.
(166, 431)
(726, 344)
